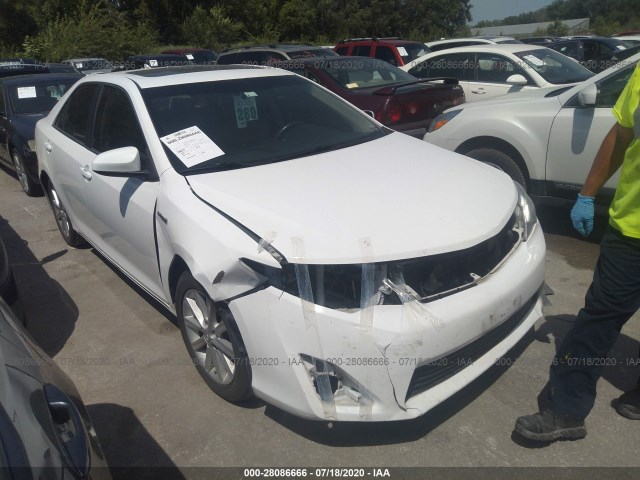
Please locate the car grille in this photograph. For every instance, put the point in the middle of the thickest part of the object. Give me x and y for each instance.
(439, 370)
(427, 278)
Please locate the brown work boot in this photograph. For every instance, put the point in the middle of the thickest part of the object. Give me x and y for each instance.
(628, 404)
(547, 426)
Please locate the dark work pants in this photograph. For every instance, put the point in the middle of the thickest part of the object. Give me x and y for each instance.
(612, 298)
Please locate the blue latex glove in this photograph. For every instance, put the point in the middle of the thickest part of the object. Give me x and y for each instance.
(582, 215)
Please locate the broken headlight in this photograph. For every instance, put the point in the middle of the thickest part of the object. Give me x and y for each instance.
(525, 213)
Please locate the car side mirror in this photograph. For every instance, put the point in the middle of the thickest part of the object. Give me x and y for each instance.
(588, 96)
(517, 79)
(120, 161)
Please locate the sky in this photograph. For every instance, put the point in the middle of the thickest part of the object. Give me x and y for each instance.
(498, 9)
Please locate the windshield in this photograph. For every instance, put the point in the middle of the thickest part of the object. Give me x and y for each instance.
(224, 125)
(554, 67)
(354, 73)
(38, 96)
(411, 51)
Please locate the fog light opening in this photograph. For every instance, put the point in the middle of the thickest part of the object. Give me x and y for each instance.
(332, 384)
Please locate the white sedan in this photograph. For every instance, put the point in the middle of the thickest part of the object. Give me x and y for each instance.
(486, 71)
(545, 140)
(312, 257)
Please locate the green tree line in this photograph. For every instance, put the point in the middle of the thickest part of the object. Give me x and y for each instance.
(52, 30)
(606, 16)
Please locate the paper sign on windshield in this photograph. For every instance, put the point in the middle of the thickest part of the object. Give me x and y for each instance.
(27, 92)
(191, 146)
(245, 106)
(153, 63)
(403, 52)
(189, 56)
(535, 60)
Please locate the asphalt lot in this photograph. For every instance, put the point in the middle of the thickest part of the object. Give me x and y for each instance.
(151, 408)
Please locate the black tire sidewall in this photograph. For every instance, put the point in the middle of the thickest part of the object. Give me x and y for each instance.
(501, 160)
(240, 387)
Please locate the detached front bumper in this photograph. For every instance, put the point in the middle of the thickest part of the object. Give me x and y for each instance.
(398, 361)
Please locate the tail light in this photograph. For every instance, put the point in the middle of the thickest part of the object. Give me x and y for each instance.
(391, 113)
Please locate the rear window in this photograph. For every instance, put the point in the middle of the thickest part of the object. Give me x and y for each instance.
(37, 96)
(359, 73)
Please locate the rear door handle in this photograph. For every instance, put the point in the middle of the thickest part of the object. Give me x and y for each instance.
(47, 147)
(480, 91)
(86, 172)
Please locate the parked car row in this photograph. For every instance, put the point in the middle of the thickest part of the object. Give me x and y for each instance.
(544, 139)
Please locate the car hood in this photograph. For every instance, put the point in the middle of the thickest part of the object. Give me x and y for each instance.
(388, 199)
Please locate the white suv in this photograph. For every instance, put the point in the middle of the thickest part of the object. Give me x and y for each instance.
(544, 139)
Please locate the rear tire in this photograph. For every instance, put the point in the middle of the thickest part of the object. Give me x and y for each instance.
(30, 187)
(73, 238)
(213, 341)
(501, 161)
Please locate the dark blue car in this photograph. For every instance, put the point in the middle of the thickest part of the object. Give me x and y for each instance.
(24, 100)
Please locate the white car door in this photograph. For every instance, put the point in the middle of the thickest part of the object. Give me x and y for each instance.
(491, 74)
(67, 150)
(122, 221)
(576, 135)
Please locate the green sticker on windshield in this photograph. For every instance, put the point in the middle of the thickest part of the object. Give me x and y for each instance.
(245, 107)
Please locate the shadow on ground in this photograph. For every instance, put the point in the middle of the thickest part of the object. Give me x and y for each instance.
(50, 313)
(130, 450)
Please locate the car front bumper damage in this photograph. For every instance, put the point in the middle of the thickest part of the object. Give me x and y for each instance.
(386, 362)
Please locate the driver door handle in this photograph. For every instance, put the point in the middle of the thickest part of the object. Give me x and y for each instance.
(479, 91)
(86, 172)
(47, 147)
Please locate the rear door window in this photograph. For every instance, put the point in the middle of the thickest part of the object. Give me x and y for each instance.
(76, 116)
(386, 54)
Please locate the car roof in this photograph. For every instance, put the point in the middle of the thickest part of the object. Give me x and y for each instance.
(87, 59)
(281, 47)
(180, 51)
(491, 47)
(607, 40)
(26, 79)
(166, 76)
(158, 56)
(390, 41)
(487, 38)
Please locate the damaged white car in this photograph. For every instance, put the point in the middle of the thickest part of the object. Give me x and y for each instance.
(313, 257)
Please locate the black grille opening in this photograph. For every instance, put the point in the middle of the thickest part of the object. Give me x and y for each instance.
(432, 277)
(441, 369)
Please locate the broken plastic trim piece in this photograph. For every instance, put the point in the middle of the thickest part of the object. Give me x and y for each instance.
(334, 385)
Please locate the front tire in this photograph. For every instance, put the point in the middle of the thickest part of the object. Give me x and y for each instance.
(30, 187)
(501, 161)
(213, 341)
(73, 238)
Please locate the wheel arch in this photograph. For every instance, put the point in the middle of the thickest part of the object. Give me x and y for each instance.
(176, 269)
(44, 181)
(500, 145)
